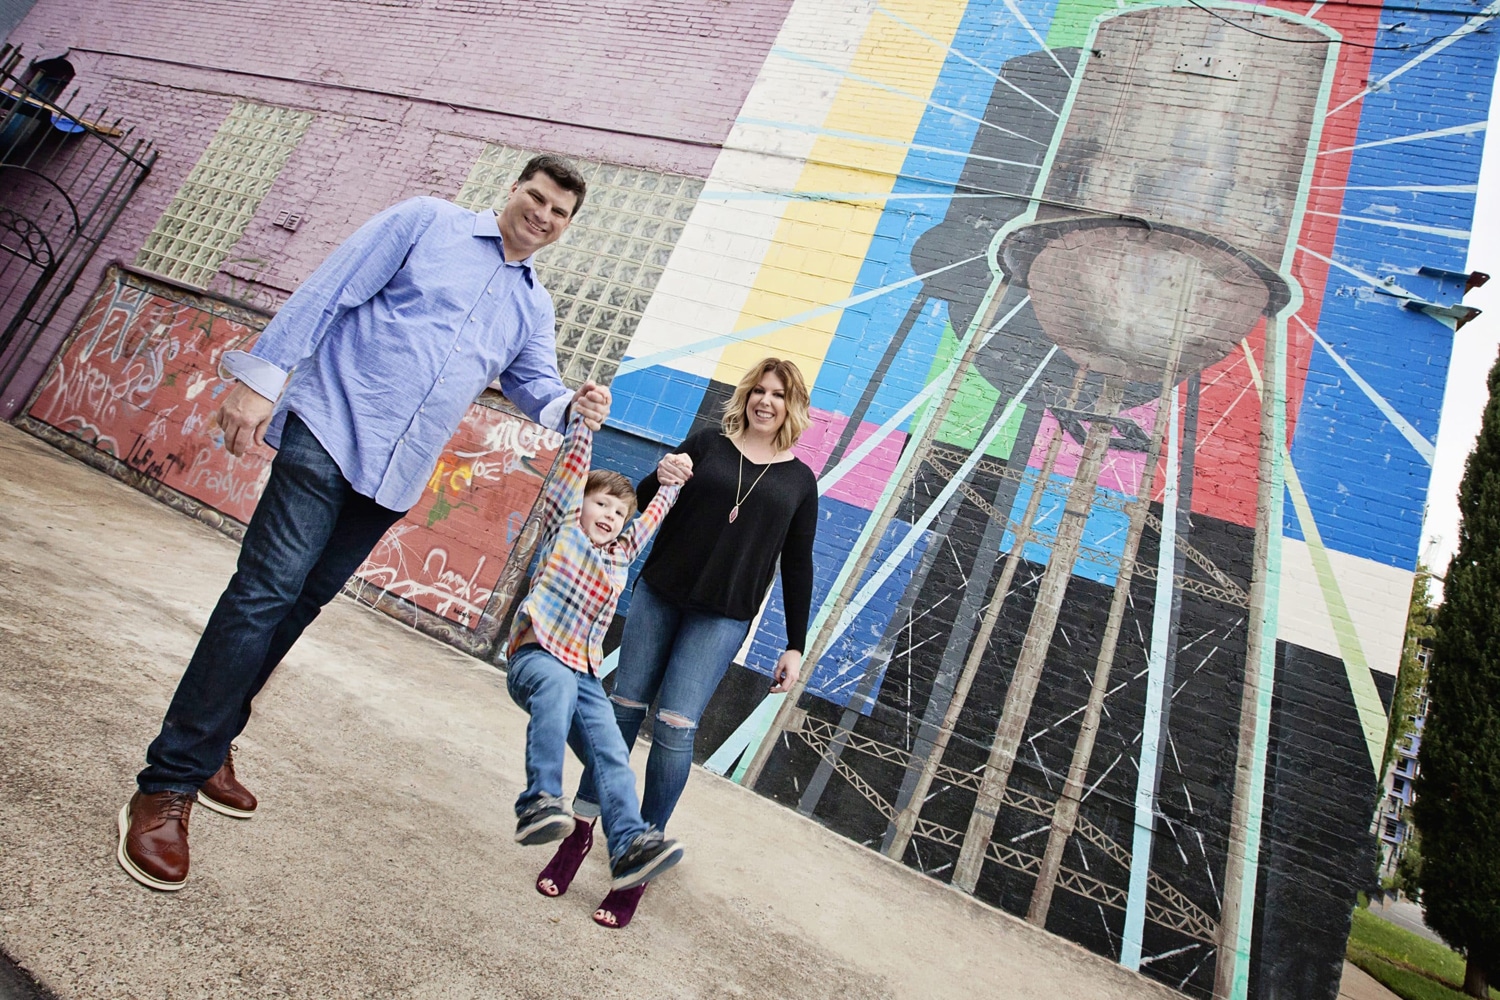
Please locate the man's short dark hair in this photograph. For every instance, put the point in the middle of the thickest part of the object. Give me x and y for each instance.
(562, 172)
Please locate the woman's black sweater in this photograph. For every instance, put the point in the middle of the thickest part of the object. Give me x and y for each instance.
(703, 561)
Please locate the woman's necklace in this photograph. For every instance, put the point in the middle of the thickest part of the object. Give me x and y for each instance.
(739, 481)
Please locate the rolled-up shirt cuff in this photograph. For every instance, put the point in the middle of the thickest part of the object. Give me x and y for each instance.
(258, 373)
(555, 414)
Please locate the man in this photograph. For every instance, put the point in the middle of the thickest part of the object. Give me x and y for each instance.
(358, 382)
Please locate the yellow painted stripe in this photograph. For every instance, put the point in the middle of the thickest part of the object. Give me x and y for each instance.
(819, 246)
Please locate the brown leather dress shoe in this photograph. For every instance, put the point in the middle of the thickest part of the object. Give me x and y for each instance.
(224, 794)
(154, 839)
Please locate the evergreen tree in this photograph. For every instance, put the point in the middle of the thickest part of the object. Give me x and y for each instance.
(1457, 809)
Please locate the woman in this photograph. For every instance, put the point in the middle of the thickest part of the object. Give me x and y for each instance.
(750, 502)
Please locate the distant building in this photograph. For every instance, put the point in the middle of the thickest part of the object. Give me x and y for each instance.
(1392, 820)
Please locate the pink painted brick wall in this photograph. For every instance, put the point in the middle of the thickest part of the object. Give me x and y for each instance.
(405, 95)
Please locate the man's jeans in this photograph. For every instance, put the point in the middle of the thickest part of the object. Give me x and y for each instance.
(676, 658)
(570, 708)
(309, 533)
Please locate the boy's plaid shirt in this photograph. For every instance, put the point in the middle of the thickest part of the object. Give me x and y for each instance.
(577, 584)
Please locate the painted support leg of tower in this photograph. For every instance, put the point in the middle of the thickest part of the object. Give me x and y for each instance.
(974, 595)
(1022, 690)
(936, 737)
(1232, 964)
(1065, 816)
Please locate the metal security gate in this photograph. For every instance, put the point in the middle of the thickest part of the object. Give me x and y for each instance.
(65, 176)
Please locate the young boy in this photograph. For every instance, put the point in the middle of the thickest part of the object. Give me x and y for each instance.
(556, 645)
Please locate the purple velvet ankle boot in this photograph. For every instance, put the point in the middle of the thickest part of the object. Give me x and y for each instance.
(558, 875)
(619, 906)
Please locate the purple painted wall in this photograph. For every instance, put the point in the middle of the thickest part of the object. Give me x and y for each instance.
(405, 96)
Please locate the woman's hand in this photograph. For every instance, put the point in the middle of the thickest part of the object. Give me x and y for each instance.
(674, 470)
(788, 669)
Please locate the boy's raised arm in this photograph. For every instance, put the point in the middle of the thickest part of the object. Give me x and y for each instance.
(634, 538)
(563, 495)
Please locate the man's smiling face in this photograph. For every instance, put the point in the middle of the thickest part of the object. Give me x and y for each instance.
(537, 213)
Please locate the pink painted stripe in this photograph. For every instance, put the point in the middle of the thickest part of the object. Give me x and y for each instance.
(862, 485)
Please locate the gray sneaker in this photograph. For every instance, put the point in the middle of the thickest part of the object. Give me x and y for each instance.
(648, 856)
(544, 821)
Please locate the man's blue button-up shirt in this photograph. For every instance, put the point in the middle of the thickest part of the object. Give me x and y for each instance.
(391, 339)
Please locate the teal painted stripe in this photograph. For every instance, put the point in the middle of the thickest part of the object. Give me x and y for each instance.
(1276, 390)
(750, 732)
(1156, 685)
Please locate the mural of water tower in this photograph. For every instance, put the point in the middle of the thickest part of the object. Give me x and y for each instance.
(1155, 241)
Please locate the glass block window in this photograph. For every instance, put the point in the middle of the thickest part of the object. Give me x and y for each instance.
(604, 269)
(209, 214)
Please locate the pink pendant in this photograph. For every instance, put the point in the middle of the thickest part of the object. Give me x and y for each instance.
(734, 513)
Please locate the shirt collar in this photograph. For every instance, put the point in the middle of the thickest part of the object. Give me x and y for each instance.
(487, 225)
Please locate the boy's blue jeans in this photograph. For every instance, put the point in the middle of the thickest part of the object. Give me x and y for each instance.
(570, 708)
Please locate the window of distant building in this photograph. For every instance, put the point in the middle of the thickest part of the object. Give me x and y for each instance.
(602, 272)
(208, 216)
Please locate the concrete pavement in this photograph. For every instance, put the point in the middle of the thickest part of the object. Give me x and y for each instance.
(1406, 915)
(1358, 984)
(381, 863)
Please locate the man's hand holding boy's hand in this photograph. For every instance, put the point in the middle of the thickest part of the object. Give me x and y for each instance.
(674, 470)
(591, 402)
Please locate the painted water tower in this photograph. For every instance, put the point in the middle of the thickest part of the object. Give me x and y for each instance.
(1157, 239)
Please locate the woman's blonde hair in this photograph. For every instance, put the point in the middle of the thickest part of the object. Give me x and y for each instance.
(797, 401)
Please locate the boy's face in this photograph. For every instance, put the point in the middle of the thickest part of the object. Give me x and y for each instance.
(603, 517)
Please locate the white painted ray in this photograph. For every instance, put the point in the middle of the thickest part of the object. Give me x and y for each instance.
(1169, 954)
(760, 330)
(1423, 447)
(972, 62)
(1015, 11)
(1368, 279)
(1315, 8)
(874, 140)
(885, 430)
(1182, 986)
(898, 92)
(1467, 129)
(1151, 722)
(1469, 26)
(897, 555)
(1415, 188)
(1234, 362)
(1411, 227)
(1225, 415)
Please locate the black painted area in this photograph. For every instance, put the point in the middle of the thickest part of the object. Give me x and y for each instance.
(1317, 852)
(1316, 849)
